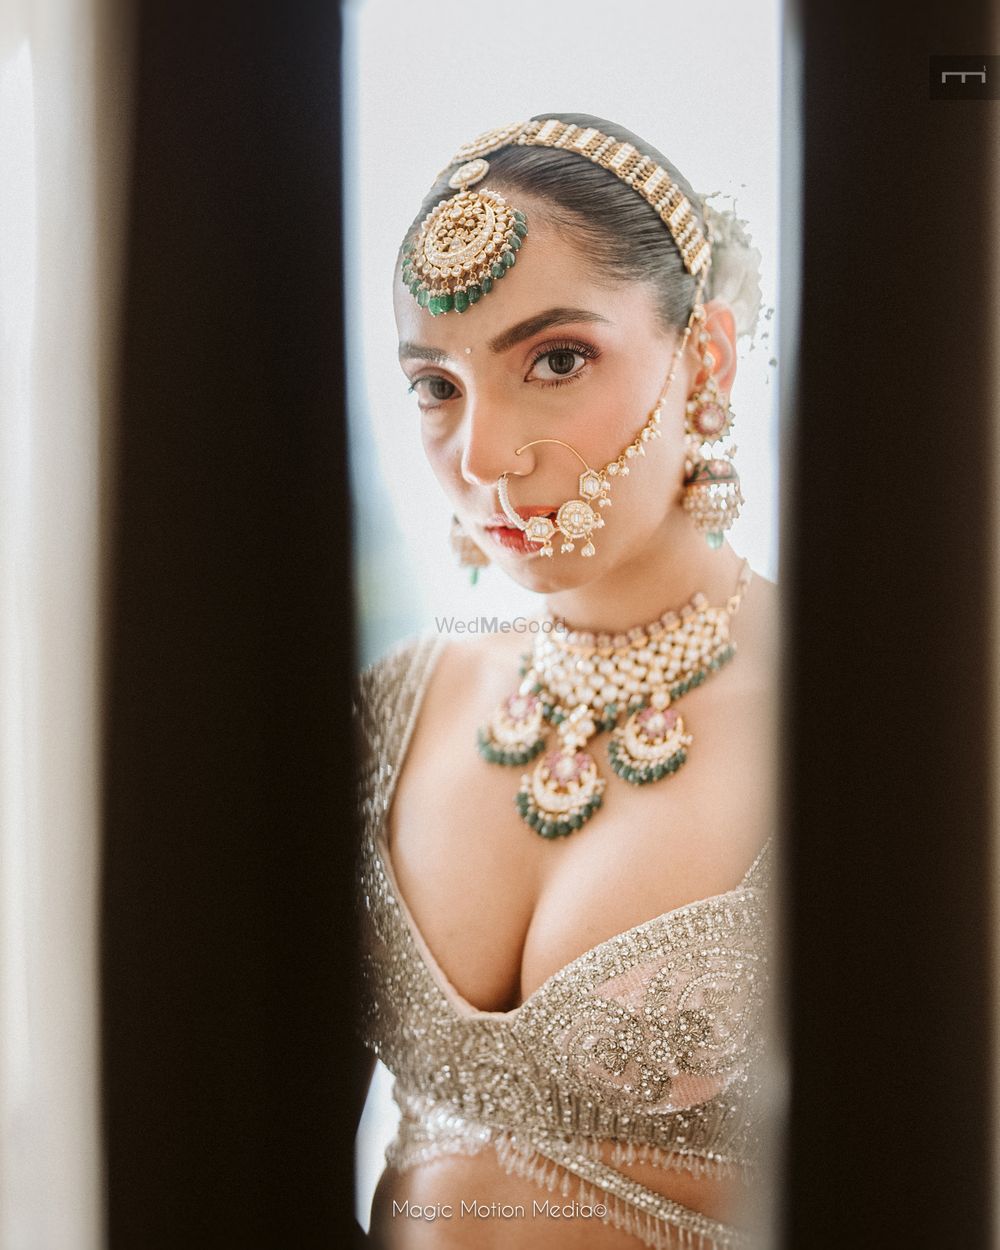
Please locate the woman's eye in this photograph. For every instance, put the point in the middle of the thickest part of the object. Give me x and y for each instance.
(561, 362)
(436, 389)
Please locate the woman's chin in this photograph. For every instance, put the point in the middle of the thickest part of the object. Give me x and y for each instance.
(546, 575)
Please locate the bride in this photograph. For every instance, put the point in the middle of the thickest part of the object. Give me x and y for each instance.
(567, 841)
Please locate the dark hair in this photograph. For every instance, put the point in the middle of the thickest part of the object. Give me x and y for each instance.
(611, 225)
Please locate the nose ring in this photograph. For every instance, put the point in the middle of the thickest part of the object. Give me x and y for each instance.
(575, 519)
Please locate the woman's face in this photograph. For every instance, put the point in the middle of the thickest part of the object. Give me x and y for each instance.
(551, 352)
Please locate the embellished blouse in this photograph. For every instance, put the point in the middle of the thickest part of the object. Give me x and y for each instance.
(650, 1041)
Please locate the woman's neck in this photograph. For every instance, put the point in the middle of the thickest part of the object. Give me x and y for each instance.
(663, 574)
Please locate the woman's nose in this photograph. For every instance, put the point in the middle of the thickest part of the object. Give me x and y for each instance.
(491, 436)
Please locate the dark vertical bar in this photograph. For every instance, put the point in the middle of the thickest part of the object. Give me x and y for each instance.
(890, 531)
(227, 938)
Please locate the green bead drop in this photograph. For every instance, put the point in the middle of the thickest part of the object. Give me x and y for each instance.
(461, 301)
(475, 294)
(714, 538)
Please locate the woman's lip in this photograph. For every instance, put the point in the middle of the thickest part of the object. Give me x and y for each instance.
(512, 539)
(509, 536)
(500, 520)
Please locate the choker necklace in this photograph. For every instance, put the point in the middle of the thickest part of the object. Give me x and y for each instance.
(582, 684)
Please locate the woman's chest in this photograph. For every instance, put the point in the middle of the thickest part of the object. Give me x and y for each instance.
(501, 908)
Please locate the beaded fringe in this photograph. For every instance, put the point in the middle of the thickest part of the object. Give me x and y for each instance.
(698, 1165)
(658, 1222)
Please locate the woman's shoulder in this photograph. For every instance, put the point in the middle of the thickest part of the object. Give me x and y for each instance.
(401, 665)
(408, 666)
(390, 688)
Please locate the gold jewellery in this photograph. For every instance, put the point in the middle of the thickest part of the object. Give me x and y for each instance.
(469, 241)
(576, 519)
(712, 495)
(582, 684)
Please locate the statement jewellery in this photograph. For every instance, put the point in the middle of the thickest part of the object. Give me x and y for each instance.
(583, 684)
(470, 240)
(576, 519)
(712, 495)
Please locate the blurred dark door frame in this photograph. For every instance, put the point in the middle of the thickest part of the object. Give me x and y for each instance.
(890, 541)
(227, 939)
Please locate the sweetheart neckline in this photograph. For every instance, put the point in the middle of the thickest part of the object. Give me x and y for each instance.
(442, 983)
(462, 1006)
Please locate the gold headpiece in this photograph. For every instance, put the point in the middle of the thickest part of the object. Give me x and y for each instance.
(463, 246)
(620, 158)
(471, 239)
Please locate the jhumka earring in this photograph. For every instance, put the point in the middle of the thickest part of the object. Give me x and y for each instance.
(468, 554)
(712, 495)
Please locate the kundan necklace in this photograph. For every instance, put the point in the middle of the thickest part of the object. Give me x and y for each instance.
(582, 684)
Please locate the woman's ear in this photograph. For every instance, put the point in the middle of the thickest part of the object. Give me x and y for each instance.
(720, 326)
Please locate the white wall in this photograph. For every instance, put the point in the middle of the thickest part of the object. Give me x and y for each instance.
(61, 127)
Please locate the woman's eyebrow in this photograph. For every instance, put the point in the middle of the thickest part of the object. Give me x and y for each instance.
(415, 351)
(509, 338)
(541, 321)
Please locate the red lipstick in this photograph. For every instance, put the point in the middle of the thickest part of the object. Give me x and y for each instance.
(510, 538)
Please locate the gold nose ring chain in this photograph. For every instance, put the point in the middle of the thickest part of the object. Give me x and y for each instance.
(576, 518)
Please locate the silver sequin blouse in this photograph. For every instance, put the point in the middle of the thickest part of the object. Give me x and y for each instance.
(650, 1041)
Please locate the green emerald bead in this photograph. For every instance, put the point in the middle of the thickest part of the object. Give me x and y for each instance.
(519, 216)
(520, 229)
(423, 295)
(714, 539)
(415, 287)
(576, 821)
(514, 242)
(507, 259)
(497, 269)
(487, 284)
(475, 294)
(447, 303)
(461, 301)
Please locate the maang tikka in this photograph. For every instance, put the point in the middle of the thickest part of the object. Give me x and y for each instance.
(470, 240)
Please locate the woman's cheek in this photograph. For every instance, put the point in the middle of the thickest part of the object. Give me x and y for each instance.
(444, 455)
